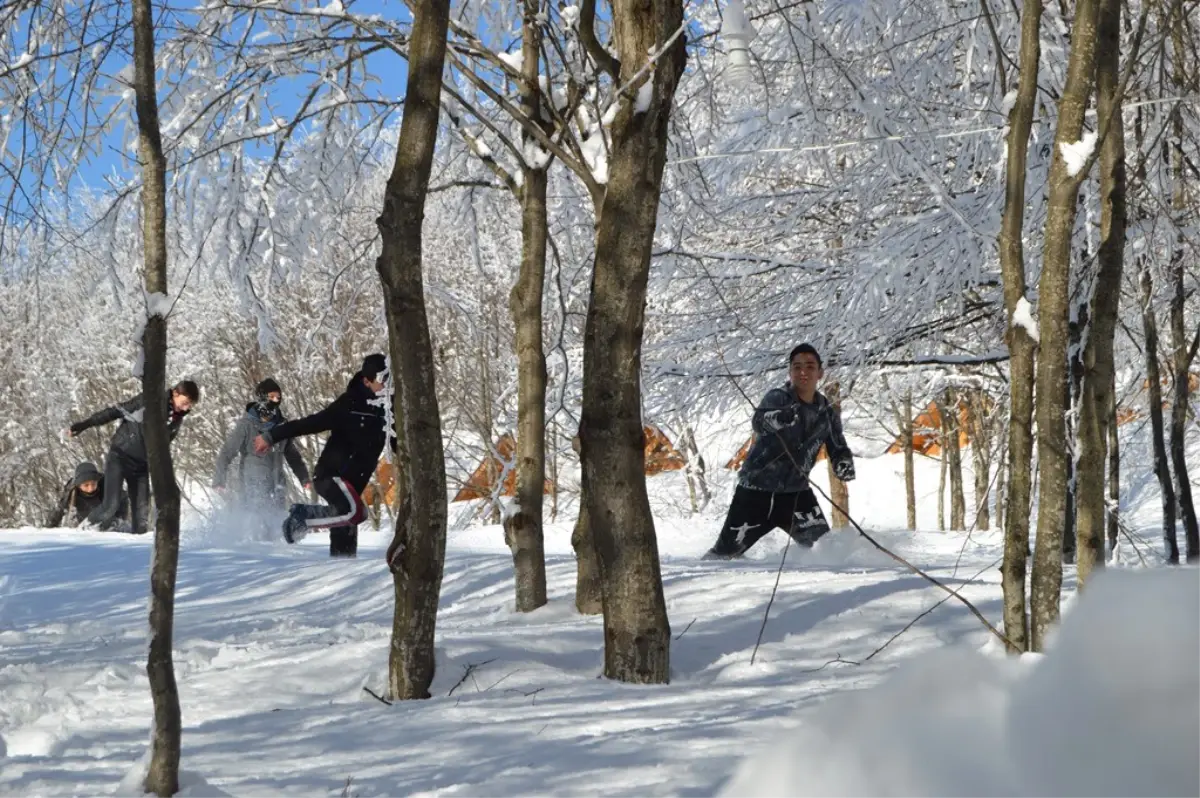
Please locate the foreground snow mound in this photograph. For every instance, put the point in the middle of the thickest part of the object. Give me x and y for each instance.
(1112, 709)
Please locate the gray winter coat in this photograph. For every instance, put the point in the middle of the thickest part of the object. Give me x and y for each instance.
(259, 476)
(788, 435)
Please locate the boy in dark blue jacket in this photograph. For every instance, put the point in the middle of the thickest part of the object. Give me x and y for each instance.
(356, 423)
(790, 425)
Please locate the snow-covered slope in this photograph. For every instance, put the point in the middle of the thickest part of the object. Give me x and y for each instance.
(274, 646)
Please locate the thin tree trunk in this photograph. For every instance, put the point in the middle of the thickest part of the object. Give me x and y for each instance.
(1053, 336)
(637, 635)
(162, 776)
(981, 449)
(523, 528)
(1183, 351)
(552, 469)
(1162, 469)
(942, 458)
(837, 489)
(1001, 491)
(1114, 469)
(1070, 410)
(910, 479)
(958, 504)
(418, 548)
(1021, 344)
(1095, 410)
(588, 598)
(697, 478)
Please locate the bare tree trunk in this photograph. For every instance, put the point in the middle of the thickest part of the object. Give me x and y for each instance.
(1162, 469)
(523, 528)
(1114, 469)
(981, 449)
(958, 504)
(1053, 319)
(162, 776)
(942, 457)
(1095, 410)
(1001, 491)
(837, 489)
(418, 548)
(1021, 344)
(637, 635)
(552, 469)
(588, 599)
(910, 479)
(697, 478)
(1183, 351)
(1070, 410)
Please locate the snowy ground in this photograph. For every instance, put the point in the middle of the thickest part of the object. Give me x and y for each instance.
(274, 645)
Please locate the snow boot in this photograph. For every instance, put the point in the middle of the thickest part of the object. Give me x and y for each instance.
(294, 528)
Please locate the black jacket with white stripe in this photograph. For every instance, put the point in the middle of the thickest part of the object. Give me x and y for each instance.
(355, 422)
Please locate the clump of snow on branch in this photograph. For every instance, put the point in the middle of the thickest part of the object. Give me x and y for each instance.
(1076, 155)
(1023, 317)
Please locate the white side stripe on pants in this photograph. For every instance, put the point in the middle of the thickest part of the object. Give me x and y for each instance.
(339, 519)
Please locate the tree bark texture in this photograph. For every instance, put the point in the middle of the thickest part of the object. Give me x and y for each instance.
(1096, 399)
(1114, 469)
(1021, 345)
(1053, 334)
(637, 634)
(588, 598)
(1183, 351)
(1162, 469)
(523, 528)
(419, 545)
(162, 775)
(910, 479)
(958, 504)
(979, 429)
(837, 489)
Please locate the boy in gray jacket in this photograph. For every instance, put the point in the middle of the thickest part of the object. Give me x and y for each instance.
(259, 481)
(790, 426)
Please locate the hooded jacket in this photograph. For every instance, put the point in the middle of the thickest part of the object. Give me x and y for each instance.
(129, 441)
(75, 505)
(258, 475)
(788, 434)
(355, 421)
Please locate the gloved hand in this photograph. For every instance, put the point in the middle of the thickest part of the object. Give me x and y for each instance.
(786, 417)
(844, 470)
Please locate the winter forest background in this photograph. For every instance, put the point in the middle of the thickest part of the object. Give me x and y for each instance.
(952, 201)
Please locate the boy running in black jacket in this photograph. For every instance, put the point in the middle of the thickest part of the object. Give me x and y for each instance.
(355, 421)
(790, 425)
(126, 463)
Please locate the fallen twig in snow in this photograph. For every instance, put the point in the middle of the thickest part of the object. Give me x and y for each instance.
(468, 673)
(376, 696)
(526, 693)
(771, 601)
(836, 659)
(914, 621)
(502, 678)
(689, 626)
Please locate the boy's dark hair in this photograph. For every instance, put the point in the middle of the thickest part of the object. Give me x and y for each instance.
(189, 389)
(265, 387)
(806, 349)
